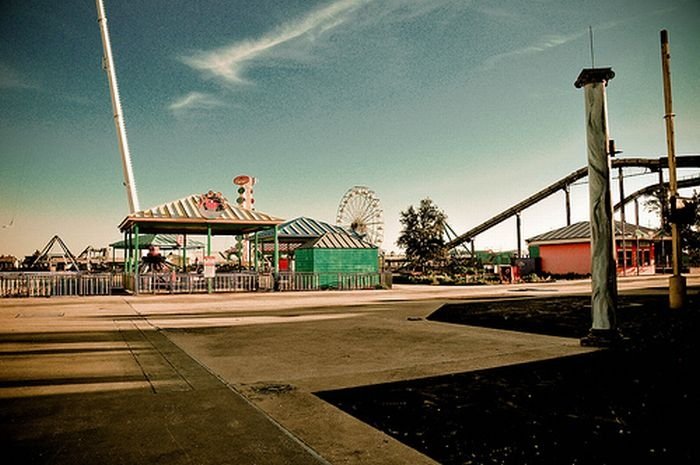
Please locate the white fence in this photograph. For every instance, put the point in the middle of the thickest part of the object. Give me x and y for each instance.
(44, 284)
(177, 283)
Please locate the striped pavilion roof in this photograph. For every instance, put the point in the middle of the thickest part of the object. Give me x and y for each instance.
(581, 231)
(332, 240)
(303, 228)
(184, 215)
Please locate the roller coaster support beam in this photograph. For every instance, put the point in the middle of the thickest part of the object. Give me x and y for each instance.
(621, 181)
(567, 193)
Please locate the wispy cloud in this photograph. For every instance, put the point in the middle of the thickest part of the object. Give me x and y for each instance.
(10, 78)
(545, 43)
(230, 63)
(194, 101)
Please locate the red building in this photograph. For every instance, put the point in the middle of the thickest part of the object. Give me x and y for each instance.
(567, 250)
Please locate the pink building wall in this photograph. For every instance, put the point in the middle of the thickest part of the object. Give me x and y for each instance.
(566, 258)
(576, 258)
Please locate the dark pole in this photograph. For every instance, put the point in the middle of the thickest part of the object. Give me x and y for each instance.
(621, 180)
(517, 232)
(567, 193)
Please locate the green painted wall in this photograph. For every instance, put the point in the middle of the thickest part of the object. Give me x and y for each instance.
(333, 261)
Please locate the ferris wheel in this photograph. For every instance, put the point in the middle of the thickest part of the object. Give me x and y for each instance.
(360, 211)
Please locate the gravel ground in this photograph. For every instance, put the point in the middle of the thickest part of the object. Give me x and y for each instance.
(637, 403)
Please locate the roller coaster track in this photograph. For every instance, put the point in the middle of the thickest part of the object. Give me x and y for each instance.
(653, 188)
(653, 164)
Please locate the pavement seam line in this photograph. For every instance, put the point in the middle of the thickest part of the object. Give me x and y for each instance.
(136, 359)
(143, 318)
(233, 389)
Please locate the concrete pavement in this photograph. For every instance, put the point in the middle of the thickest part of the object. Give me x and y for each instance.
(230, 378)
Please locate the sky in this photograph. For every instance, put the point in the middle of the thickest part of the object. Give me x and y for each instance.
(468, 103)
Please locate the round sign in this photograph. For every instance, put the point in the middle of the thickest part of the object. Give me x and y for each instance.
(241, 180)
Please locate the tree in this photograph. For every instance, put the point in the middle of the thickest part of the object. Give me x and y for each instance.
(423, 235)
(688, 219)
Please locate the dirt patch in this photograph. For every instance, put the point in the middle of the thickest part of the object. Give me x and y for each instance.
(638, 403)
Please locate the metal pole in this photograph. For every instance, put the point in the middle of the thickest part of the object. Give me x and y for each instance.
(184, 253)
(138, 260)
(603, 270)
(276, 252)
(676, 285)
(517, 233)
(255, 252)
(638, 255)
(129, 182)
(209, 280)
(621, 181)
(276, 260)
(567, 193)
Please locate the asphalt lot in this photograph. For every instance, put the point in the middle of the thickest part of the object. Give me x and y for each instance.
(230, 378)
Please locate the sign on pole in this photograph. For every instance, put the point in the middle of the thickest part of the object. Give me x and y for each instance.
(209, 266)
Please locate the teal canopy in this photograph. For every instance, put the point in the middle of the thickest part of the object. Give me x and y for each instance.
(163, 241)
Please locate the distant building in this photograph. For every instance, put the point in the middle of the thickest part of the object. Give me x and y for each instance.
(8, 263)
(333, 254)
(567, 250)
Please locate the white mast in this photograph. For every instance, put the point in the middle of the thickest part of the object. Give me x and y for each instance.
(129, 182)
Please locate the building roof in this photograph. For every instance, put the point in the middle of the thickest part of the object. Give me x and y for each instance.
(332, 240)
(581, 231)
(186, 215)
(302, 229)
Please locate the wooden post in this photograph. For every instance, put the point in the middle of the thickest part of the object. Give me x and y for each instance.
(676, 285)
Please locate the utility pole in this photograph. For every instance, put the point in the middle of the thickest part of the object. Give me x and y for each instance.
(676, 284)
(603, 330)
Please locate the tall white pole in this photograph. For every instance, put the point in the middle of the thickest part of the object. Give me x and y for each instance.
(603, 270)
(129, 182)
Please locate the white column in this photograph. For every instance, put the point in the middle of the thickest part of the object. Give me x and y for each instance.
(603, 267)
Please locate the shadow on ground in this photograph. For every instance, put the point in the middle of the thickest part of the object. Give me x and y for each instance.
(633, 404)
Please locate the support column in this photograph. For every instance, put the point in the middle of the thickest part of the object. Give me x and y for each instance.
(255, 252)
(638, 255)
(567, 193)
(621, 181)
(603, 330)
(517, 233)
(209, 280)
(137, 255)
(276, 260)
(184, 253)
(276, 252)
(126, 252)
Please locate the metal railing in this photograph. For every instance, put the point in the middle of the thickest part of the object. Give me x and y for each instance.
(293, 281)
(189, 283)
(47, 284)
